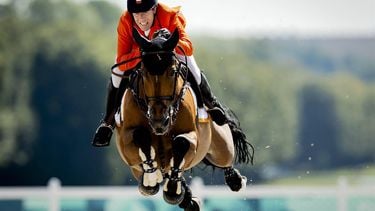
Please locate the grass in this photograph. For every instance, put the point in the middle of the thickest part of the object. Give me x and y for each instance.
(355, 176)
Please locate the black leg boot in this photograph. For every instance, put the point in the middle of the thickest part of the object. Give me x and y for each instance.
(215, 108)
(104, 132)
(194, 85)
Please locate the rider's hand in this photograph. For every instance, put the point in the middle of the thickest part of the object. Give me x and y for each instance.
(163, 32)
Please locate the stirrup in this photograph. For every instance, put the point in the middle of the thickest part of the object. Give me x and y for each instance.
(218, 116)
(202, 115)
(102, 135)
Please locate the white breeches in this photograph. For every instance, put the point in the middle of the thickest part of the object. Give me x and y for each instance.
(192, 65)
(116, 80)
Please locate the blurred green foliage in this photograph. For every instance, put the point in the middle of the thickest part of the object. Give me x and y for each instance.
(304, 104)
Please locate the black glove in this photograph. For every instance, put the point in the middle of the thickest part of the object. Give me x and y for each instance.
(163, 32)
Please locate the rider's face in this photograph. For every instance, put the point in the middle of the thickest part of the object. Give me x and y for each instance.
(144, 20)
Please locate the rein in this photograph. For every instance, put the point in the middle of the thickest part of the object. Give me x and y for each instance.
(148, 53)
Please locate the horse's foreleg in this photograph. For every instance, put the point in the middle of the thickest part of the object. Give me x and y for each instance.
(189, 202)
(174, 190)
(152, 176)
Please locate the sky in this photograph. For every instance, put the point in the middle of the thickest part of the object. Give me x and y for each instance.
(291, 17)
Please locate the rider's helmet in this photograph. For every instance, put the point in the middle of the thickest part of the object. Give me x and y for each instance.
(135, 6)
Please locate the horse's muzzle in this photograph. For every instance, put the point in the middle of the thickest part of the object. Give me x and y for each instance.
(160, 118)
(160, 126)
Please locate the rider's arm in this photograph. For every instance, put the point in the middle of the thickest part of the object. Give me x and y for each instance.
(179, 22)
(126, 47)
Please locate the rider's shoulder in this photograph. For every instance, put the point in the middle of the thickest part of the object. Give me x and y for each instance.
(167, 12)
(126, 15)
(126, 19)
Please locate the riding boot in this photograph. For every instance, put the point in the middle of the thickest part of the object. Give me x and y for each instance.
(104, 132)
(215, 108)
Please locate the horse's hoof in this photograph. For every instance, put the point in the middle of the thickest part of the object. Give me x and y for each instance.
(194, 205)
(148, 191)
(174, 198)
(234, 179)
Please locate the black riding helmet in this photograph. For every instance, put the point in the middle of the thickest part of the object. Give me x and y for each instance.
(135, 6)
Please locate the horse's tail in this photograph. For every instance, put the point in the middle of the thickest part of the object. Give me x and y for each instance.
(244, 149)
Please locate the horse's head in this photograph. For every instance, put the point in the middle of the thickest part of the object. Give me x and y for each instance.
(161, 84)
(157, 54)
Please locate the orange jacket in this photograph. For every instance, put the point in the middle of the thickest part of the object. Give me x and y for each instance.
(165, 17)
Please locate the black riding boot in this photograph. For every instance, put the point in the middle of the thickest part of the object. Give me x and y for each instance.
(215, 108)
(104, 132)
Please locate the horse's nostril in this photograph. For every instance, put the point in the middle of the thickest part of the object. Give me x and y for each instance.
(165, 121)
(160, 130)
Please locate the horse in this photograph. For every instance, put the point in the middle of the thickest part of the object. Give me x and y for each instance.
(159, 135)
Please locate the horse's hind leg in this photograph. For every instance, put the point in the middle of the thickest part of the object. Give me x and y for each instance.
(174, 190)
(152, 176)
(234, 179)
(222, 155)
(232, 176)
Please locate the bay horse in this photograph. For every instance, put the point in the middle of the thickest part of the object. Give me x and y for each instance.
(160, 136)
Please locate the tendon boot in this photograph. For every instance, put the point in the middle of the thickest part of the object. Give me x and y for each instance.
(104, 132)
(215, 108)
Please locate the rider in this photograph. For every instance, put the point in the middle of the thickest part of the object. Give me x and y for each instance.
(148, 17)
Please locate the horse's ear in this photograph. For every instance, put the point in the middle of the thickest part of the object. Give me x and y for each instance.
(171, 43)
(142, 41)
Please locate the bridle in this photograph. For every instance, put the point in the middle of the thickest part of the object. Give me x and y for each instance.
(144, 101)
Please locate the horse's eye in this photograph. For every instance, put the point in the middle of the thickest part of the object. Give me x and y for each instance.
(172, 71)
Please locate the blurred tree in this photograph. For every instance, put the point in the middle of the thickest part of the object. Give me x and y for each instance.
(60, 73)
(42, 12)
(16, 117)
(65, 116)
(108, 14)
(355, 106)
(318, 141)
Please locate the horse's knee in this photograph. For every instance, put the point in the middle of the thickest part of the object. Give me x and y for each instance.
(180, 146)
(142, 138)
